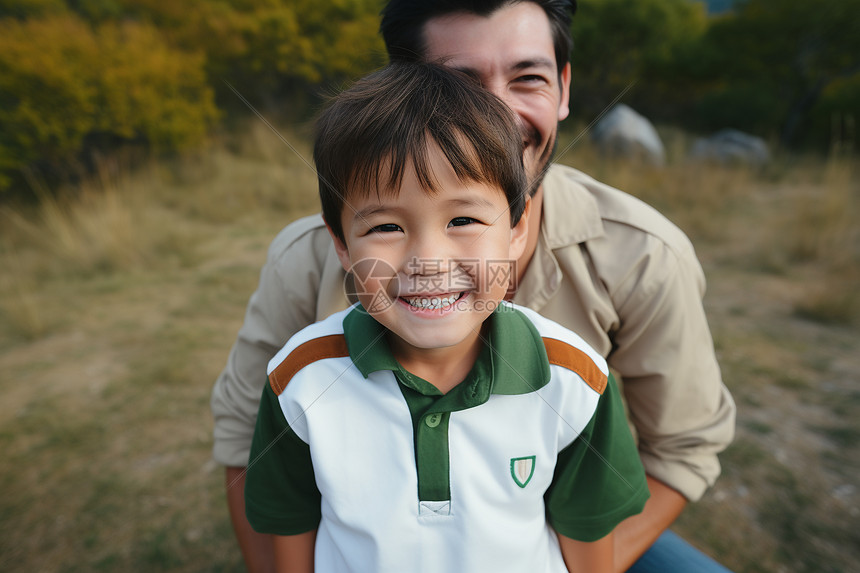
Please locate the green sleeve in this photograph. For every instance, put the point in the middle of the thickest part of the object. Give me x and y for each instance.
(281, 495)
(599, 480)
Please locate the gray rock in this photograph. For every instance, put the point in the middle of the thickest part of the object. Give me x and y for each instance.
(732, 146)
(624, 133)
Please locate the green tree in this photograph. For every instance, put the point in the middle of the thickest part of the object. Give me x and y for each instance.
(791, 51)
(29, 8)
(617, 42)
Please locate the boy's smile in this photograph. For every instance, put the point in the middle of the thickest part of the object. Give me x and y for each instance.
(448, 255)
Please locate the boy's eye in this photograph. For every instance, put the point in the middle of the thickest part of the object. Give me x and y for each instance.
(385, 228)
(460, 221)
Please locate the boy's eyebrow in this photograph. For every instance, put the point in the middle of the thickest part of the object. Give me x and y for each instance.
(471, 202)
(476, 201)
(371, 210)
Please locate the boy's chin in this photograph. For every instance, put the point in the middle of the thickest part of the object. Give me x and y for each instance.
(435, 342)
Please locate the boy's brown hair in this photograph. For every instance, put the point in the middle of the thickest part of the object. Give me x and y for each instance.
(366, 134)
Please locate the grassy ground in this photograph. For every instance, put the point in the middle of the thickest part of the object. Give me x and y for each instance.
(119, 303)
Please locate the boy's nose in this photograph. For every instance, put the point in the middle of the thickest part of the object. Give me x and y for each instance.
(424, 266)
(426, 254)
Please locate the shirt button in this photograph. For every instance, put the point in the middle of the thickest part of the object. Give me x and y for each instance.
(433, 420)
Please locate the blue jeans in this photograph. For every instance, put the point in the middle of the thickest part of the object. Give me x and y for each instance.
(671, 554)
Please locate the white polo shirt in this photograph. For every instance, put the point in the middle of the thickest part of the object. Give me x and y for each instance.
(396, 476)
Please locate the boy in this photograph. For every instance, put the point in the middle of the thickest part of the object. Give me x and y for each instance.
(434, 427)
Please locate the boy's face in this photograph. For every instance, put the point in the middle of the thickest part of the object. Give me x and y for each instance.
(431, 267)
(511, 53)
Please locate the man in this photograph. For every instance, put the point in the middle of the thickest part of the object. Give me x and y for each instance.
(597, 260)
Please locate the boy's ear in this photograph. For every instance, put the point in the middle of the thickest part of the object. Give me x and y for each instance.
(341, 249)
(520, 232)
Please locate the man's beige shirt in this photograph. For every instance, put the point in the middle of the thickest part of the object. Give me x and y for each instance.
(607, 266)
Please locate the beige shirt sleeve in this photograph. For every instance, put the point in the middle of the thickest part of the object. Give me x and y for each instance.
(301, 282)
(627, 280)
(662, 349)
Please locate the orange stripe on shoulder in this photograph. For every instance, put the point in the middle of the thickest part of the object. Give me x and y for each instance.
(332, 346)
(570, 357)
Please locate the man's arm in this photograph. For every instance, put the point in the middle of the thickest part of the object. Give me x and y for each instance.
(257, 548)
(285, 302)
(637, 533)
(236, 395)
(587, 556)
(683, 413)
(290, 295)
(295, 553)
(281, 497)
(641, 286)
(630, 539)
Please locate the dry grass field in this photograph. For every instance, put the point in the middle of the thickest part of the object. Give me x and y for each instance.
(120, 299)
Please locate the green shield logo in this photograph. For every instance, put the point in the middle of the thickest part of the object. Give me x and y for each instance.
(522, 470)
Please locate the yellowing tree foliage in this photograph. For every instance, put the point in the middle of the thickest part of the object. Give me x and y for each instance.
(268, 46)
(79, 75)
(62, 81)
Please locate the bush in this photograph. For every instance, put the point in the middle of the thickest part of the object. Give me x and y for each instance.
(29, 8)
(269, 49)
(65, 85)
(834, 121)
(617, 42)
(748, 107)
(810, 49)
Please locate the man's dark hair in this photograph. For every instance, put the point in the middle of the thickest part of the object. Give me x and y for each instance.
(366, 134)
(402, 25)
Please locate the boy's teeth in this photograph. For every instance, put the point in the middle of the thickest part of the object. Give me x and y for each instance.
(432, 303)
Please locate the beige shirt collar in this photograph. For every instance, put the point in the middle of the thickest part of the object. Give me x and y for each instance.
(570, 213)
(569, 216)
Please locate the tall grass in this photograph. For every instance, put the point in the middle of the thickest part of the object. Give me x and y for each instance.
(107, 224)
(150, 219)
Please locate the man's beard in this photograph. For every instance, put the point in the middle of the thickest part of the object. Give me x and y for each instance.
(543, 161)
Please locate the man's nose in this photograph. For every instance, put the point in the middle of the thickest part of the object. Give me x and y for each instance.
(501, 91)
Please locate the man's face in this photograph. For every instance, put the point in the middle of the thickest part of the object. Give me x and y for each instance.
(512, 54)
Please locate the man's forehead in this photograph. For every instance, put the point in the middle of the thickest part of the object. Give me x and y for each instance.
(511, 36)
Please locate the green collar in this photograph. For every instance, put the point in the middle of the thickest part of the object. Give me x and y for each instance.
(513, 360)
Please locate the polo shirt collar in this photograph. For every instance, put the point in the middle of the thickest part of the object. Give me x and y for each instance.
(513, 360)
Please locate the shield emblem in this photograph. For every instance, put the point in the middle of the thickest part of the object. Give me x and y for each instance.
(522, 470)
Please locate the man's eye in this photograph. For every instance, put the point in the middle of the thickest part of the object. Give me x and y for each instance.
(530, 79)
(385, 228)
(460, 221)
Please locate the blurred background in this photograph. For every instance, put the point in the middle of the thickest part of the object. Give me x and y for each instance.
(139, 192)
